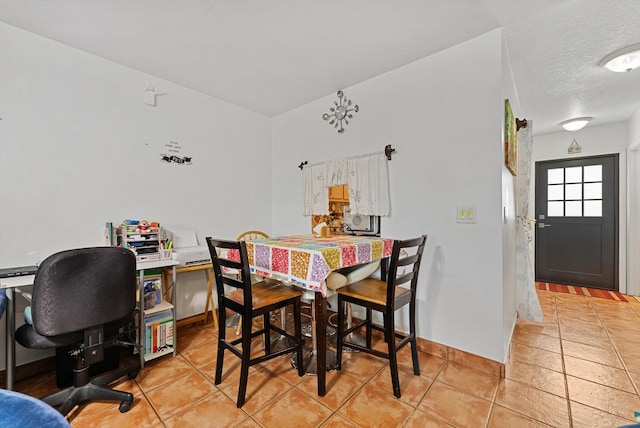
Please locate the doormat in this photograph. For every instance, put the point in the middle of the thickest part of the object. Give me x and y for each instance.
(582, 291)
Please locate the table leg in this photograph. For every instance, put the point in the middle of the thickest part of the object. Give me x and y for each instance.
(320, 303)
(10, 339)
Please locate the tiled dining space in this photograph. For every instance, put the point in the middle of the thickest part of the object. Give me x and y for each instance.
(579, 368)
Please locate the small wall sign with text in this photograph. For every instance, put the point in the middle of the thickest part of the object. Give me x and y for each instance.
(172, 154)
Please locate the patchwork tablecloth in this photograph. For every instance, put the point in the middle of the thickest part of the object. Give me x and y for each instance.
(305, 260)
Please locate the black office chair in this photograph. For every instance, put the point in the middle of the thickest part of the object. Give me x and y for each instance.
(82, 297)
(386, 295)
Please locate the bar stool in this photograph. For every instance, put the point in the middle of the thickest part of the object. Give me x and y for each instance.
(342, 278)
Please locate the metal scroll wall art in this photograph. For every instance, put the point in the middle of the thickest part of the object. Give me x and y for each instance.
(341, 112)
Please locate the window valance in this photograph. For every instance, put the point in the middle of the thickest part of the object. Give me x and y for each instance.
(367, 177)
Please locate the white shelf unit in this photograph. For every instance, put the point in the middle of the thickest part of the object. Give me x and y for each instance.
(144, 243)
(158, 309)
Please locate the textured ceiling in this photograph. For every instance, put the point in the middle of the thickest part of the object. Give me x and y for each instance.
(271, 56)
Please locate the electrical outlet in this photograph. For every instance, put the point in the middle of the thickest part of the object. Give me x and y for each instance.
(466, 214)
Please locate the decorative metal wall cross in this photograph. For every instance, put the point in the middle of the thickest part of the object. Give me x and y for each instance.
(340, 112)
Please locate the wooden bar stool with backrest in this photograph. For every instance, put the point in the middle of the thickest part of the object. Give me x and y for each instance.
(250, 300)
(386, 296)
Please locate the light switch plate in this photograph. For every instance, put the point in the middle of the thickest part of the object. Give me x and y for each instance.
(465, 214)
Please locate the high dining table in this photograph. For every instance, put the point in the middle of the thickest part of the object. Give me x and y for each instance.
(305, 261)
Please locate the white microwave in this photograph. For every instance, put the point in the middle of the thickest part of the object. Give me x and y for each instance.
(359, 224)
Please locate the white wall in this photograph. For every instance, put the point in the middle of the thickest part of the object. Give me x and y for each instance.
(78, 147)
(633, 205)
(595, 140)
(508, 213)
(444, 118)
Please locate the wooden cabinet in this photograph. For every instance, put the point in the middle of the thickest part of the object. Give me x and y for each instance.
(339, 193)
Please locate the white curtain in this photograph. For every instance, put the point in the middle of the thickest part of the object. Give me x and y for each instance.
(368, 181)
(527, 298)
(367, 178)
(316, 191)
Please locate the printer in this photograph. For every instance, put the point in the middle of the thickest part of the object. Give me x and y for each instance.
(191, 256)
(186, 250)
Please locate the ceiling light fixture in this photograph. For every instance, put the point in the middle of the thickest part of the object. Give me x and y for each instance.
(575, 124)
(625, 59)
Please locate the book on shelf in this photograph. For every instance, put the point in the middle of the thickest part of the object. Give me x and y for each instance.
(158, 332)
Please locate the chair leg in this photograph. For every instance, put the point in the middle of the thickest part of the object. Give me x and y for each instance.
(246, 356)
(222, 319)
(390, 329)
(368, 328)
(414, 341)
(340, 333)
(297, 312)
(267, 332)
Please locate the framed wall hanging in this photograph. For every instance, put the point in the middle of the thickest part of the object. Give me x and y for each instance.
(510, 139)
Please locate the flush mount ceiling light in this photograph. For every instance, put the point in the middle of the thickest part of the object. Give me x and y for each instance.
(575, 124)
(625, 59)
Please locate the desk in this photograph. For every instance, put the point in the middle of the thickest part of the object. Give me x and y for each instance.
(10, 284)
(208, 271)
(306, 261)
(24, 281)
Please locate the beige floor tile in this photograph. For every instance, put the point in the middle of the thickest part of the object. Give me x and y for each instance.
(215, 409)
(474, 382)
(360, 365)
(536, 356)
(173, 397)
(501, 417)
(631, 362)
(586, 315)
(141, 415)
(337, 421)
(161, 371)
(340, 387)
(602, 397)
(549, 408)
(550, 329)
(598, 373)
(370, 407)
(588, 417)
(454, 406)
(202, 354)
(194, 337)
(283, 368)
(292, 409)
(621, 323)
(261, 389)
(547, 343)
(412, 387)
(420, 419)
(538, 377)
(607, 357)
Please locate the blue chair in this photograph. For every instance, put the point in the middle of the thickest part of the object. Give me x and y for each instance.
(20, 410)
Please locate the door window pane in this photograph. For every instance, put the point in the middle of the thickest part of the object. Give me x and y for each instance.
(593, 208)
(573, 209)
(574, 191)
(574, 174)
(555, 192)
(592, 191)
(593, 173)
(555, 209)
(555, 176)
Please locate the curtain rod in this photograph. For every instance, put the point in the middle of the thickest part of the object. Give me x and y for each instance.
(388, 151)
(520, 123)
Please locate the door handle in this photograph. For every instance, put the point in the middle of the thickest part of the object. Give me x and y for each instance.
(542, 225)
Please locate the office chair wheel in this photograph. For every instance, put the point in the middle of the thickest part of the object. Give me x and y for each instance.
(125, 405)
(133, 375)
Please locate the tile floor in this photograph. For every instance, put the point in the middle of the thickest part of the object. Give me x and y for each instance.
(579, 368)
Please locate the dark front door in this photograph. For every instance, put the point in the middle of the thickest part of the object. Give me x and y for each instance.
(576, 230)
